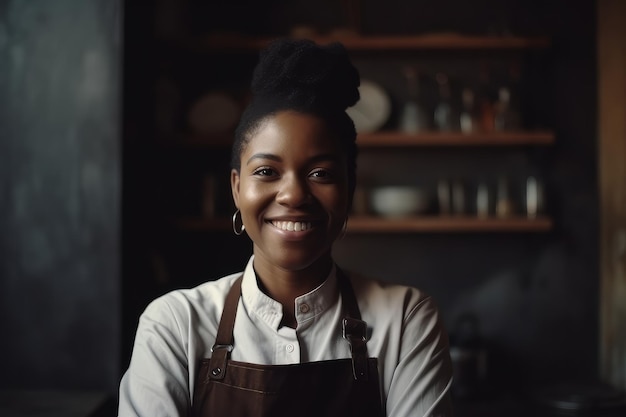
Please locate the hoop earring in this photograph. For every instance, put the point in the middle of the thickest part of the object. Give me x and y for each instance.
(344, 229)
(240, 231)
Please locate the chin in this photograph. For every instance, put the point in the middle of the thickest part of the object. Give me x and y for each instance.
(299, 262)
(296, 264)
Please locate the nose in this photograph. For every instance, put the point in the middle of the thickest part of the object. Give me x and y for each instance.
(293, 191)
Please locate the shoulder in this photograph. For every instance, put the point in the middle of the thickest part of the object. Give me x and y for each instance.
(401, 315)
(179, 307)
(374, 294)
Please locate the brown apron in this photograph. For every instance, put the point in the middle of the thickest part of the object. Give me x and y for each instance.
(341, 387)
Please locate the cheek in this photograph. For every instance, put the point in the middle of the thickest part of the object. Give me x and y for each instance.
(336, 201)
(252, 194)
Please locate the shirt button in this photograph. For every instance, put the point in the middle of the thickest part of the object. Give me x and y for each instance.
(304, 308)
(289, 348)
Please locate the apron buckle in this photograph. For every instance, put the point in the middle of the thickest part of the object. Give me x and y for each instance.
(218, 361)
(355, 332)
(229, 348)
(354, 329)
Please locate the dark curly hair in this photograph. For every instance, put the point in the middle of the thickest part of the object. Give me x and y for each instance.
(302, 76)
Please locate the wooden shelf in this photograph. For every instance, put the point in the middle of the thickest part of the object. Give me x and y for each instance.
(401, 139)
(426, 224)
(443, 41)
(447, 224)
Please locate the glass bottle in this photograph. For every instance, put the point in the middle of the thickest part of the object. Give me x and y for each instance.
(505, 117)
(485, 101)
(412, 118)
(469, 118)
(534, 197)
(482, 200)
(443, 109)
(458, 198)
(504, 203)
(444, 197)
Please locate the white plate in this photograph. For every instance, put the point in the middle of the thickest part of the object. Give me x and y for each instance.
(372, 111)
(214, 113)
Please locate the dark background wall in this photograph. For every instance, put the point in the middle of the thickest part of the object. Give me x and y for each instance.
(60, 176)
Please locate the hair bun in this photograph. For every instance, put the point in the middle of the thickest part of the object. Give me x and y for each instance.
(307, 74)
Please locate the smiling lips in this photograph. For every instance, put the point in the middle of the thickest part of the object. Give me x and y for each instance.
(292, 226)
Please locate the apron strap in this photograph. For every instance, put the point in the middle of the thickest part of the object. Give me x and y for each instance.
(354, 329)
(224, 339)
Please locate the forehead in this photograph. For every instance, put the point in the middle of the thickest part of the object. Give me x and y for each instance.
(290, 131)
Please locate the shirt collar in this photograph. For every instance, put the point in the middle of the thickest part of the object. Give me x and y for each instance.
(307, 306)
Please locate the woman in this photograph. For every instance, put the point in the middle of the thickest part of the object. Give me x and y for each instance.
(293, 334)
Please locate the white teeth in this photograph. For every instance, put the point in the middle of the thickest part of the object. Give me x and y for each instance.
(292, 226)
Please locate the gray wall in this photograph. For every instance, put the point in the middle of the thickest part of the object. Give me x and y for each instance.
(59, 194)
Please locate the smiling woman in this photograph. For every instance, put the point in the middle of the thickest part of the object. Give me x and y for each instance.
(293, 174)
(293, 334)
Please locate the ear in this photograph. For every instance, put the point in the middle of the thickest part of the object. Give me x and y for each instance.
(234, 186)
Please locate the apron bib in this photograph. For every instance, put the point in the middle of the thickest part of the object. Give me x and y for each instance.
(341, 387)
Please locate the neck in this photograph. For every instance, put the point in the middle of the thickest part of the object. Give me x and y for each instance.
(285, 285)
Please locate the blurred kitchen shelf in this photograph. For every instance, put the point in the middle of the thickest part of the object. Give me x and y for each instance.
(434, 138)
(402, 139)
(425, 224)
(442, 41)
(366, 224)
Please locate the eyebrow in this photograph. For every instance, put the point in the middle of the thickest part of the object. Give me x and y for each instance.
(263, 156)
(272, 157)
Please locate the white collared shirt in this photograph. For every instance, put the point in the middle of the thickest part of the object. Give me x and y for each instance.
(179, 328)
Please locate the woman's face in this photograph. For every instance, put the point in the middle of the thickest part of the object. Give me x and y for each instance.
(292, 190)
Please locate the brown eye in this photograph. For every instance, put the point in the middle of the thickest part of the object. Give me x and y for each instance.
(264, 172)
(321, 175)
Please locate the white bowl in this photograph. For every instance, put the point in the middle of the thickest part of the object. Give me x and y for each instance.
(398, 201)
